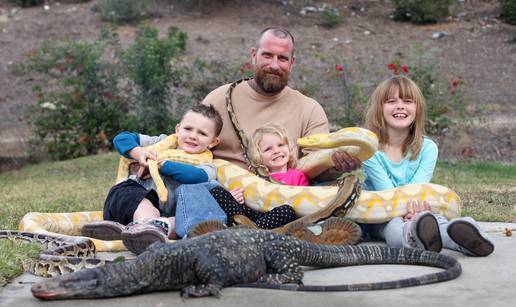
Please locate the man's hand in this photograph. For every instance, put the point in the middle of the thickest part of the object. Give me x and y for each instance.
(238, 195)
(345, 162)
(141, 155)
(414, 207)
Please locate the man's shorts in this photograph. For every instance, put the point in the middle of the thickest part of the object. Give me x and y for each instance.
(123, 200)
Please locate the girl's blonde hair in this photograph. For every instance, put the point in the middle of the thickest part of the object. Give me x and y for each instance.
(375, 121)
(275, 130)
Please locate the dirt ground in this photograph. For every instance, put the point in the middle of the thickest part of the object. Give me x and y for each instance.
(478, 47)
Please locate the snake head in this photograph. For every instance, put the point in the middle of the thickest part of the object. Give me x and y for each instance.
(75, 285)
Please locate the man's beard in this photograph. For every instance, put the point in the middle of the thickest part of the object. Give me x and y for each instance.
(270, 82)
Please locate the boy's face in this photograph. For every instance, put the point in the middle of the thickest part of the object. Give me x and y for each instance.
(196, 133)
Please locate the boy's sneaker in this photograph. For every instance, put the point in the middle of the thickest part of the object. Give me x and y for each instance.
(139, 235)
(103, 230)
(471, 240)
(423, 232)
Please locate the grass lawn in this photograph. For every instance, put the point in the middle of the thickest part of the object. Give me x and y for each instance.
(487, 189)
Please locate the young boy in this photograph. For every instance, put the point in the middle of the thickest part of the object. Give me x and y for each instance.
(135, 203)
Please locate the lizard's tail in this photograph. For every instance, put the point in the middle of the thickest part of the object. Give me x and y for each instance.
(333, 256)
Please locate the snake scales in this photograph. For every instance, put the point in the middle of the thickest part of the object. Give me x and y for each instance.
(63, 254)
(371, 207)
(260, 194)
(67, 253)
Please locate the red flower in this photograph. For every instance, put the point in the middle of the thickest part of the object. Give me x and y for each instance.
(32, 53)
(392, 66)
(405, 69)
(82, 139)
(246, 67)
(456, 82)
(339, 68)
(61, 67)
(107, 95)
(102, 136)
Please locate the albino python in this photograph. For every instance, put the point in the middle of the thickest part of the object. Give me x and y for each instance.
(371, 207)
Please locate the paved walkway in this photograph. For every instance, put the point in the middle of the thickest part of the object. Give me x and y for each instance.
(484, 282)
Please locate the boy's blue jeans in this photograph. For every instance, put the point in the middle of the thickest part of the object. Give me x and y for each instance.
(195, 204)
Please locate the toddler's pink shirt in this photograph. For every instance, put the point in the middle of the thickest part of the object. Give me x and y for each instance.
(292, 177)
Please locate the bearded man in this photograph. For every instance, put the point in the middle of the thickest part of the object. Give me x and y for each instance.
(267, 98)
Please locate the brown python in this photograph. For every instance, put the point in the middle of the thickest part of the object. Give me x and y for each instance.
(63, 254)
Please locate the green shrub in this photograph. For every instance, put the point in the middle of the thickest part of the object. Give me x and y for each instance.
(508, 11)
(422, 11)
(199, 78)
(122, 11)
(354, 100)
(79, 110)
(331, 18)
(148, 65)
(27, 3)
(208, 75)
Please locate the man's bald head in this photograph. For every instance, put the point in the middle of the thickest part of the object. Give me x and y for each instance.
(279, 33)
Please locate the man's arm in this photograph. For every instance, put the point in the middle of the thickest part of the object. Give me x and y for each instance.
(344, 162)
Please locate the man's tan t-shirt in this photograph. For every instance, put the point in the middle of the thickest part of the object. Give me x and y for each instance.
(301, 116)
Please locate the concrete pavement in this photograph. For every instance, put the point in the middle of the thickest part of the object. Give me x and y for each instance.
(484, 282)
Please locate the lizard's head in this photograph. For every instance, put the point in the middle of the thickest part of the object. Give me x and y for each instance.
(75, 285)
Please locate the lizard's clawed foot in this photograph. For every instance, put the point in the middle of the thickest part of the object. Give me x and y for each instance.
(201, 290)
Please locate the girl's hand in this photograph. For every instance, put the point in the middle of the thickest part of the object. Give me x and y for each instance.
(238, 195)
(414, 207)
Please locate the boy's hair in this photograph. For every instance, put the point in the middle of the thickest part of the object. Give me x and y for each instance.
(375, 121)
(210, 112)
(282, 134)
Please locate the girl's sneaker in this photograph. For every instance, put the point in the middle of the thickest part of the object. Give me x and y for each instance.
(423, 232)
(140, 234)
(471, 240)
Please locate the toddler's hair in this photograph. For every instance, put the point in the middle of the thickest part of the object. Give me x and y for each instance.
(210, 112)
(375, 121)
(282, 134)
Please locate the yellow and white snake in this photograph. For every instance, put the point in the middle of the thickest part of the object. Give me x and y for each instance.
(371, 207)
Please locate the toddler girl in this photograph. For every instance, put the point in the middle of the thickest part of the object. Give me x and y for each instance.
(272, 150)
